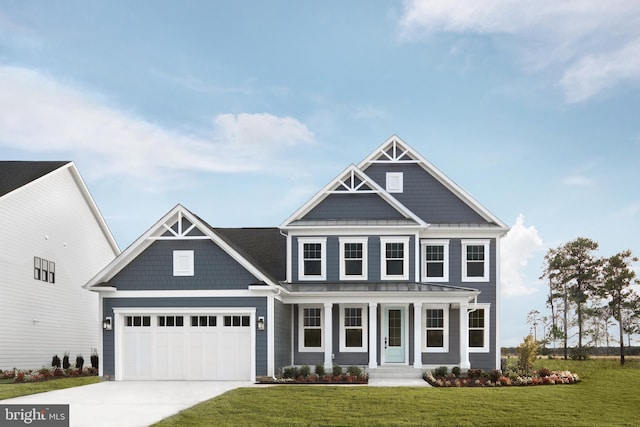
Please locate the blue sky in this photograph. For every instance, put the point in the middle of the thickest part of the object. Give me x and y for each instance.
(242, 110)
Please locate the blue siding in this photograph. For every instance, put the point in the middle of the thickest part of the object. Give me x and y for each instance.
(425, 196)
(282, 334)
(153, 269)
(353, 207)
(260, 303)
(452, 357)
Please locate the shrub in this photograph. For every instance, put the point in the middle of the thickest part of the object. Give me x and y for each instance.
(441, 371)
(94, 359)
(337, 369)
(544, 372)
(290, 372)
(579, 354)
(455, 371)
(354, 371)
(305, 371)
(65, 361)
(55, 362)
(79, 361)
(527, 352)
(320, 369)
(474, 373)
(494, 375)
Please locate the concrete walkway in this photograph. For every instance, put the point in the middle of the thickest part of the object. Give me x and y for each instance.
(129, 403)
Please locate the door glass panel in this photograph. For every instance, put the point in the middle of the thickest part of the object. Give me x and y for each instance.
(395, 328)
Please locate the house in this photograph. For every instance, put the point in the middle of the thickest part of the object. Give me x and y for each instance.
(53, 239)
(390, 264)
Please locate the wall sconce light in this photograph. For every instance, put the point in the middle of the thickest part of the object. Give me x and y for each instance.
(106, 324)
(261, 323)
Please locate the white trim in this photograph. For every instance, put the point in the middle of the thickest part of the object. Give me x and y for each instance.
(383, 257)
(373, 335)
(301, 328)
(445, 328)
(365, 259)
(423, 260)
(270, 326)
(394, 182)
(176, 293)
(365, 335)
(183, 263)
(487, 257)
(323, 258)
(498, 303)
(487, 329)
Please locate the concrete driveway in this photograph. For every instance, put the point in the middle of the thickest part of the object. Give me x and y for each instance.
(129, 403)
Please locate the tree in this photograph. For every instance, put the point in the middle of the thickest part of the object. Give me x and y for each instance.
(533, 318)
(557, 290)
(616, 289)
(527, 352)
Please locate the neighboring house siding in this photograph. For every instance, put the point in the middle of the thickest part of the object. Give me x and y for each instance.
(153, 268)
(282, 335)
(425, 196)
(353, 206)
(50, 219)
(260, 303)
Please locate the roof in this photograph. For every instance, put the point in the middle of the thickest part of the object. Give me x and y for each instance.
(376, 287)
(16, 174)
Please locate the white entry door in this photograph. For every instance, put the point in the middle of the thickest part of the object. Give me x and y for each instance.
(189, 346)
(394, 337)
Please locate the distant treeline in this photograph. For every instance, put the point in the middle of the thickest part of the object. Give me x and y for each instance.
(592, 351)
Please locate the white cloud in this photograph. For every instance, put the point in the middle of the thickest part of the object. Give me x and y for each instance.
(40, 114)
(590, 44)
(518, 247)
(578, 181)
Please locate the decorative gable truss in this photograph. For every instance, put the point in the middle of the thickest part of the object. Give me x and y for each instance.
(352, 181)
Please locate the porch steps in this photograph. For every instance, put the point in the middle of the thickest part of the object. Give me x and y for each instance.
(391, 372)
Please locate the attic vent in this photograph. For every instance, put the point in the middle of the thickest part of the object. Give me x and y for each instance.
(394, 182)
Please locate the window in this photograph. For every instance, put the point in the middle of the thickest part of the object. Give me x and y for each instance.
(479, 330)
(395, 258)
(436, 329)
(353, 328)
(435, 260)
(475, 260)
(310, 329)
(171, 321)
(210, 321)
(237, 321)
(44, 270)
(394, 182)
(183, 263)
(44, 274)
(36, 268)
(137, 321)
(312, 258)
(52, 272)
(353, 258)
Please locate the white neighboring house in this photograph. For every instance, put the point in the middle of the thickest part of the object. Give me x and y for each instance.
(53, 239)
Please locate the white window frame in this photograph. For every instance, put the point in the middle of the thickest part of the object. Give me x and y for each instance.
(487, 327)
(487, 257)
(445, 262)
(445, 328)
(183, 263)
(364, 327)
(323, 261)
(383, 257)
(394, 182)
(343, 273)
(301, 329)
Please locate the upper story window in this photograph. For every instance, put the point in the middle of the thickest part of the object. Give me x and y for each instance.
(310, 328)
(312, 258)
(353, 328)
(353, 258)
(435, 260)
(479, 330)
(394, 182)
(475, 260)
(44, 270)
(437, 329)
(183, 263)
(394, 254)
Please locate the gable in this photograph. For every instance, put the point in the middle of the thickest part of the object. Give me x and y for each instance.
(16, 174)
(353, 207)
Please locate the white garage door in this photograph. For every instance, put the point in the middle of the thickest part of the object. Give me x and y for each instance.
(205, 346)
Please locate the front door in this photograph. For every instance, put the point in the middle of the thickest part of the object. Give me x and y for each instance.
(393, 340)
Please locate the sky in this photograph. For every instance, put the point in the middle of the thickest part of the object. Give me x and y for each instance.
(242, 111)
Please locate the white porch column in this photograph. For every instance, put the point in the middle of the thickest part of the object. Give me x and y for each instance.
(464, 337)
(417, 335)
(328, 336)
(373, 335)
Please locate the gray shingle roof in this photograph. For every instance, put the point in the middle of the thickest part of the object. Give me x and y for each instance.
(15, 174)
(374, 287)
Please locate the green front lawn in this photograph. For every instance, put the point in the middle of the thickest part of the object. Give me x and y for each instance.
(607, 395)
(11, 389)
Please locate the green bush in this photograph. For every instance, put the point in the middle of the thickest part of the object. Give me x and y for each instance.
(354, 371)
(337, 369)
(455, 371)
(320, 369)
(494, 375)
(442, 371)
(55, 362)
(474, 373)
(290, 372)
(544, 372)
(305, 371)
